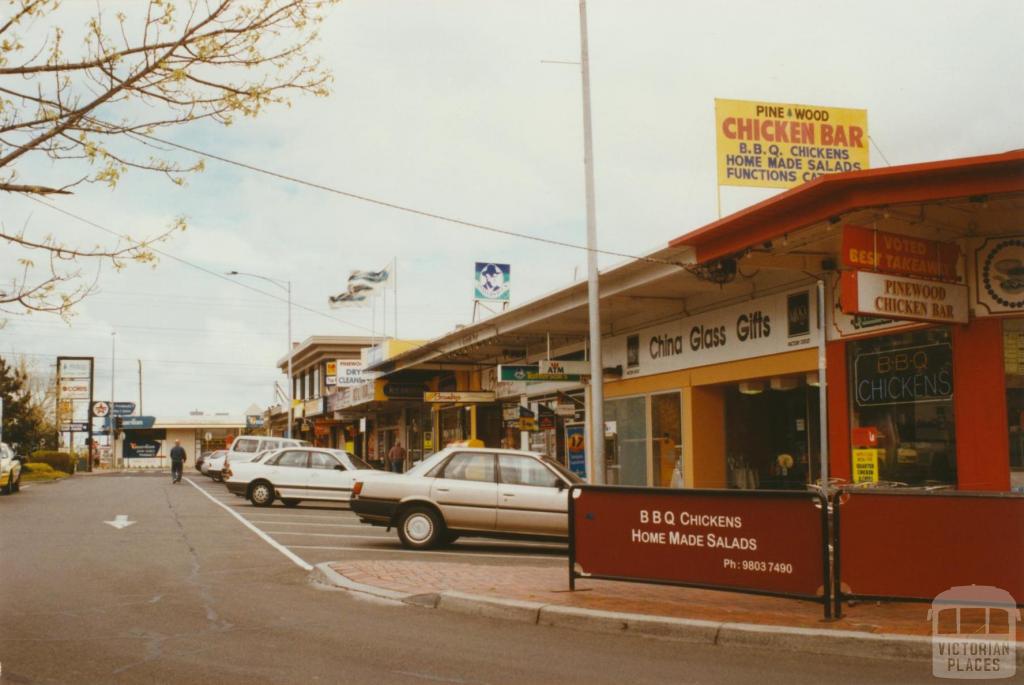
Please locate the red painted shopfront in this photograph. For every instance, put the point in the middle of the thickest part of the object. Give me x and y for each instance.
(942, 392)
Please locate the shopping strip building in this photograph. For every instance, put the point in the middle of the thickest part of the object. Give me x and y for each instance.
(716, 358)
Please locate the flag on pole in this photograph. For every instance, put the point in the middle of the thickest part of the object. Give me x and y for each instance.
(361, 285)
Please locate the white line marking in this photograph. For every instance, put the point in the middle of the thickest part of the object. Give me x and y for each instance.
(266, 538)
(464, 555)
(307, 523)
(323, 535)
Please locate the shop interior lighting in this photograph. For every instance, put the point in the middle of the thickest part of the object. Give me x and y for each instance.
(784, 383)
(812, 379)
(752, 387)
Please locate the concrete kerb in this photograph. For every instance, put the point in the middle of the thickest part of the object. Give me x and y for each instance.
(725, 633)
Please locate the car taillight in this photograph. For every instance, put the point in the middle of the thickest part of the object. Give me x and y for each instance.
(357, 487)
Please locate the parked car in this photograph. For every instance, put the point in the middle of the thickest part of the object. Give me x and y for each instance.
(213, 459)
(219, 462)
(199, 462)
(295, 474)
(470, 491)
(10, 470)
(258, 443)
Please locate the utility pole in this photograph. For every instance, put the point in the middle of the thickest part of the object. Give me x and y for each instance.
(596, 417)
(140, 388)
(110, 414)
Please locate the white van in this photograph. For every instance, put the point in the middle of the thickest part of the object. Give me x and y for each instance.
(258, 443)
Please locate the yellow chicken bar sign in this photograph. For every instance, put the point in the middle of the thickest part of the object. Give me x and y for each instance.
(774, 145)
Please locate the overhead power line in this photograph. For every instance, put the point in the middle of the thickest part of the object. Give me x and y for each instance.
(398, 207)
(186, 262)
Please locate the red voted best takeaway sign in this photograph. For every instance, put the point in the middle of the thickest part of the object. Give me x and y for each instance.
(892, 253)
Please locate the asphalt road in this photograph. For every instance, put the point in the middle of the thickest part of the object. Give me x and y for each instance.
(187, 594)
(319, 532)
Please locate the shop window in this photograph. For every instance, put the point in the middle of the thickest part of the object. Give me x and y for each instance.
(626, 441)
(772, 433)
(667, 439)
(1013, 361)
(902, 420)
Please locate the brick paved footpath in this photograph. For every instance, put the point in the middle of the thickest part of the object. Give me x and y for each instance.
(551, 586)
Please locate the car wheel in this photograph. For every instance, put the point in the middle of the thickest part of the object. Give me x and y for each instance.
(290, 502)
(9, 488)
(420, 528)
(261, 494)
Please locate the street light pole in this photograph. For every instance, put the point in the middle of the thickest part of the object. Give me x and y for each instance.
(593, 299)
(287, 287)
(291, 381)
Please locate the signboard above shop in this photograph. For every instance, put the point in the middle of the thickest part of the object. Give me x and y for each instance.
(893, 253)
(774, 145)
(898, 297)
(766, 325)
(458, 397)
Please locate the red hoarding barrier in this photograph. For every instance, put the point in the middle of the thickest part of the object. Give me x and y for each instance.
(762, 542)
(914, 545)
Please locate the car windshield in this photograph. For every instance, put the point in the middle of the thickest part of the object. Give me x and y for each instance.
(565, 473)
(430, 462)
(351, 460)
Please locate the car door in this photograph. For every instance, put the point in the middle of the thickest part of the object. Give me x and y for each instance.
(290, 474)
(466, 491)
(329, 479)
(529, 499)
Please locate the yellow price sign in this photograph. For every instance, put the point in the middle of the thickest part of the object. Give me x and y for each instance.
(865, 465)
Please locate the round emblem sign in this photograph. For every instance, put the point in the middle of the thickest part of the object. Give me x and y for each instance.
(1002, 273)
(100, 409)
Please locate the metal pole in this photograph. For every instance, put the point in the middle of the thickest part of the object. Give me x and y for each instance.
(822, 389)
(110, 415)
(596, 416)
(291, 381)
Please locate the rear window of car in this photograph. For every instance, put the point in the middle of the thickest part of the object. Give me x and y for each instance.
(245, 445)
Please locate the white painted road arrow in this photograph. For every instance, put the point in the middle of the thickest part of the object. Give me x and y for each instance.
(120, 521)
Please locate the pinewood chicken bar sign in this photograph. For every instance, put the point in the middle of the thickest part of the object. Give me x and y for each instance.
(901, 277)
(897, 297)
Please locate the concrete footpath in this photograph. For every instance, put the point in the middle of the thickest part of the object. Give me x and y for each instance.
(540, 595)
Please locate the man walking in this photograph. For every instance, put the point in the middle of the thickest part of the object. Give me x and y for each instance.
(178, 457)
(396, 457)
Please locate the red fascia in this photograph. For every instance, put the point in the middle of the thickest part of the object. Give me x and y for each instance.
(831, 196)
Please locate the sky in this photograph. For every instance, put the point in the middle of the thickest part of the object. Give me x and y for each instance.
(448, 107)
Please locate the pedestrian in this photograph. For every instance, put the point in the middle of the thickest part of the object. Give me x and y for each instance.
(396, 457)
(178, 458)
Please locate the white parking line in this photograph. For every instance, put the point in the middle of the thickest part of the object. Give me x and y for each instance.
(320, 535)
(301, 563)
(464, 554)
(307, 523)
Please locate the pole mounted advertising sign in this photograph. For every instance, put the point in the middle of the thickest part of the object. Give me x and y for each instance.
(781, 145)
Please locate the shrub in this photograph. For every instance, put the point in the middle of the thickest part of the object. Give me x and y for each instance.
(40, 472)
(61, 461)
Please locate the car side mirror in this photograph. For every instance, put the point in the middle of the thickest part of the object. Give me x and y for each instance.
(560, 484)
(340, 467)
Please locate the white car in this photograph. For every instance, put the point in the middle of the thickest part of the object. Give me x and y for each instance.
(294, 474)
(10, 470)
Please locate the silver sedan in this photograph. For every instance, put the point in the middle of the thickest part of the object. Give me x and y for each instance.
(470, 491)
